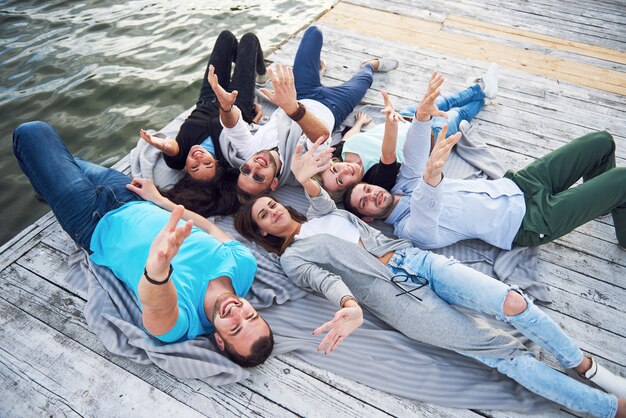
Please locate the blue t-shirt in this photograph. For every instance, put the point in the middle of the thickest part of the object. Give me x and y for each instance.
(122, 240)
(208, 145)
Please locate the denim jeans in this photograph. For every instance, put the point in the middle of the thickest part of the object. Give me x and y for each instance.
(463, 105)
(460, 285)
(78, 192)
(340, 99)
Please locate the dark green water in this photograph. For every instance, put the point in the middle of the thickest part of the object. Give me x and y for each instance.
(98, 71)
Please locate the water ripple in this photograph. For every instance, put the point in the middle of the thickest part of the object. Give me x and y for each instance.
(98, 71)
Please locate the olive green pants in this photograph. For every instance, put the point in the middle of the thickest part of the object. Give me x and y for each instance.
(554, 208)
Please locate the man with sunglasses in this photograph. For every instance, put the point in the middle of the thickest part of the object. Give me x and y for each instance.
(307, 111)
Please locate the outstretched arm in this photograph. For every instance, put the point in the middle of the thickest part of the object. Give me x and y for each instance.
(284, 96)
(417, 145)
(390, 137)
(439, 156)
(167, 146)
(308, 164)
(360, 119)
(159, 301)
(348, 318)
(146, 189)
(229, 113)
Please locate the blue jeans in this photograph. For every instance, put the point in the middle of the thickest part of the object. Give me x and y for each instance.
(340, 99)
(460, 285)
(78, 192)
(463, 105)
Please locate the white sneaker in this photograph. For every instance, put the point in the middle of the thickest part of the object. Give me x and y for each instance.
(603, 379)
(490, 81)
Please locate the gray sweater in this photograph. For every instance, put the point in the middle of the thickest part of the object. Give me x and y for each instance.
(335, 268)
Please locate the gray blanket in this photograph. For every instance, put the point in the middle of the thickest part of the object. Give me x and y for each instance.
(395, 364)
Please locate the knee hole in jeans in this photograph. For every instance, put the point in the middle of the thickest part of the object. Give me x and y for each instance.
(514, 304)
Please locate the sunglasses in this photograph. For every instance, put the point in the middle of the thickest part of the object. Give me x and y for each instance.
(246, 169)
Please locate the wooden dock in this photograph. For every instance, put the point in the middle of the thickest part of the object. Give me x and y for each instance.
(562, 74)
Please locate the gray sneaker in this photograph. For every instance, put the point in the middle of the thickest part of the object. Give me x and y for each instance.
(261, 79)
(384, 64)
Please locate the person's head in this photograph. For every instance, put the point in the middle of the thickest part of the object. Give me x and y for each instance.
(265, 221)
(258, 175)
(200, 164)
(240, 331)
(212, 198)
(339, 176)
(368, 202)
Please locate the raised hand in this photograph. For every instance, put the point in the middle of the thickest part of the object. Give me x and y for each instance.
(362, 119)
(393, 117)
(345, 321)
(166, 146)
(284, 94)
(309, 164)
(145, 189)
(166, 244)
(439, 156)
(427, 106)
(225, 99)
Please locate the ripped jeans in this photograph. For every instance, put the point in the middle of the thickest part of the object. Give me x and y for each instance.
(460, 285)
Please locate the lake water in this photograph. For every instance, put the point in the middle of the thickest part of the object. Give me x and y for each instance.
(98, 71)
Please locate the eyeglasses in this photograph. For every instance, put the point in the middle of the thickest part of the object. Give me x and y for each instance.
(246, 169)
(409, 278)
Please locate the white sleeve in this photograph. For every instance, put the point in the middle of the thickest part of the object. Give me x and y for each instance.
(416, 150)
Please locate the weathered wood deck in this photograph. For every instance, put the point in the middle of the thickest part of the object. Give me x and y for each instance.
(563, 73)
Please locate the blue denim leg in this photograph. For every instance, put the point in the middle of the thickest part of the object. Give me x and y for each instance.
(553, 385)
(459, 99)
(306, 65)
(75, 200)
(463, 105)
(460, 285)
(340, 99)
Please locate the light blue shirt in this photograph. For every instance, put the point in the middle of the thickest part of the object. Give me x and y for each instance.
(122, 240)
(208, 145)
(368, 145)
(434, 217)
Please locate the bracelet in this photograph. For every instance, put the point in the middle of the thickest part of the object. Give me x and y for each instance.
(345, 300)
(155, 282)
(224, 110)
(299, 113)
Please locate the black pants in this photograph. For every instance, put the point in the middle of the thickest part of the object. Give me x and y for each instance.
(204, 120)
(248, 58)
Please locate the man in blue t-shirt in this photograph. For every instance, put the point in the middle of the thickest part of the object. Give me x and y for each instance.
(189, 281)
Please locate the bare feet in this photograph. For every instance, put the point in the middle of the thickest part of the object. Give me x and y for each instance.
(166, 146)
(259, 113)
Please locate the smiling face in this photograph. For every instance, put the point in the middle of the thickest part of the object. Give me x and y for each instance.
(371, 201)
(237, 323)
(257, 175)
(200, 164)
(341, 175)
(271, 217)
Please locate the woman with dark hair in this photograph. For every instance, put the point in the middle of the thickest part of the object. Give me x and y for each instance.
(332, 252)
(213, 198)
(196, 149)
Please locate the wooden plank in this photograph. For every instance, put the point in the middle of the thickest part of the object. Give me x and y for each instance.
(425, 34)
(50, 366)
(551, 42)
